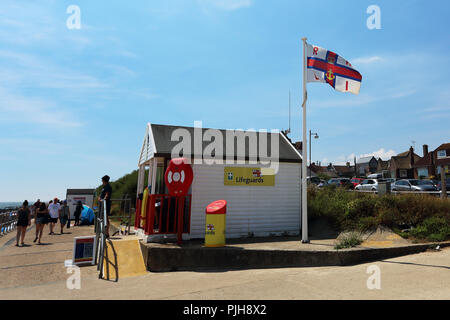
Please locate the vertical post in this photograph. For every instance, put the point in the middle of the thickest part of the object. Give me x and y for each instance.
(305, 157)
(310, 153)
(443, 184)
(180, 230)
(154, 172)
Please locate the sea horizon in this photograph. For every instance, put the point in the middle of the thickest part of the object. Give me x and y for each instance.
(10, 204)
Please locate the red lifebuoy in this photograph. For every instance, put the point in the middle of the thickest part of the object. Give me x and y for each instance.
(178, 177)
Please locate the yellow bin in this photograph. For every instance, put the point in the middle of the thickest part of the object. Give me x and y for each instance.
(215, 224)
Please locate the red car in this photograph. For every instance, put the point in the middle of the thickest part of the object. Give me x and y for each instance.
(356, 181)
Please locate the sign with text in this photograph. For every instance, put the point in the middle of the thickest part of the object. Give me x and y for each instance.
(83, 250)
(250, 177)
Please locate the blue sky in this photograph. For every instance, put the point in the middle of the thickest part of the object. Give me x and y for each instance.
(74, 103)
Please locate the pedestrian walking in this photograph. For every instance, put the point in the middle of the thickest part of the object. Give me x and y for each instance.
(64, 214)
(35, 208)
(42, 218)
(53, 210)
(106, 195)
(77, 213)
(23, 221)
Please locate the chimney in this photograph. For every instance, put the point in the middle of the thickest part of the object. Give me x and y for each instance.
(425, 150)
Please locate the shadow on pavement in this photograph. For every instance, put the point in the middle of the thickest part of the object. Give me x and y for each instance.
(417, 264)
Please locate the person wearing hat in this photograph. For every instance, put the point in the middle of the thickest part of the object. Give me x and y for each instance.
(64, 214)
(53, 209)
(77, 213)
(106, 195)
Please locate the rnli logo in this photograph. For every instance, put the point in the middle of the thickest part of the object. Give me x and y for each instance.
(331, 59)
(230, 176)
(330, 75)
(257, 173)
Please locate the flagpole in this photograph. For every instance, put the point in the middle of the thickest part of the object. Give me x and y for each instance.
(304, 149)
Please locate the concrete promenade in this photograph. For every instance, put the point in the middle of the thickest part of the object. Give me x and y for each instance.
(38, 272)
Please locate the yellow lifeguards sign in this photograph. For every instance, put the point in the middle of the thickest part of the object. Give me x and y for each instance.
(249, 177)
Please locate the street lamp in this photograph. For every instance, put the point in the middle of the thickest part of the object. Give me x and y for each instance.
(316, 136)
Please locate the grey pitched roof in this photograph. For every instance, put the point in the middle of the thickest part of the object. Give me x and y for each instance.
(364, 160)
(80, 191)
(163, 145)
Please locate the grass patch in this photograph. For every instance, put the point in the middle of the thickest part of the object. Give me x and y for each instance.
(350, 240)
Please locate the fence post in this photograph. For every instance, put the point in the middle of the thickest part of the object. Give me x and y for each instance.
(443, 184)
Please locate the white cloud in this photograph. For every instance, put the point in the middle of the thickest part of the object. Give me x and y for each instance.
(385, 155)
(22, 109)
(227, 5)
(382, 153)
(366, 60)
(364, 99)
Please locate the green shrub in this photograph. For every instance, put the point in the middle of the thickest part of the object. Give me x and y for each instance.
(432, 229)
(360, 211)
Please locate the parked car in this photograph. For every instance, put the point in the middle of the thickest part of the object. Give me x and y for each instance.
(447, 184)
(413, 185)
(368, 184)
(322, 183)
(356, 181)
(341, 182)
(313, 180)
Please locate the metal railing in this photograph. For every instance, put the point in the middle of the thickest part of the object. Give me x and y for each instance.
(8, 222)
(432, 193)
(125, 213)
(101, 223)
(162, 215)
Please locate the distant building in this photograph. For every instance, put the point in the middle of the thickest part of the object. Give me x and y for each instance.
(429, 166)
(366, 166)
(85, 196)
(328, 170)
(401, 166)
(347, 171)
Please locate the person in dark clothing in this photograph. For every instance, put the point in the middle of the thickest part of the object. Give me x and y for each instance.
(35, 208)
(77, 213)
(106, 195)
(42, 217)
(64, 215)
(23, 221)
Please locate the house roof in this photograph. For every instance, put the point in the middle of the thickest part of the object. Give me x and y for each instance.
(158, 143)
(425, 161)
(364, 160)
(444, 146)
(443, 161)
(329, 170)
(344, 169)
(80, 191)
(403, 160)
(383, 164)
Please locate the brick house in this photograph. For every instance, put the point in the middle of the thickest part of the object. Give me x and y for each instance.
(401, 166)
(383, 167)
(429, 166)
(346, 171)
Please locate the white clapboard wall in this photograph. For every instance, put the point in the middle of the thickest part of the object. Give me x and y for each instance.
(260, 210)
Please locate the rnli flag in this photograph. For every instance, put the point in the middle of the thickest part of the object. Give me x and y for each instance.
(328, 67)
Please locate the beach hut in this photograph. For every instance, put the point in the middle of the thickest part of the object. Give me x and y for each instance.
(86, 196)
(257, 173)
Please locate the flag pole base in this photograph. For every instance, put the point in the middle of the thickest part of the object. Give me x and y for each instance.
(305, 241)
